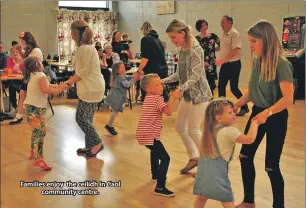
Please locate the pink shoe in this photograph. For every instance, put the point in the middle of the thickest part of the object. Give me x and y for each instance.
(42, 164)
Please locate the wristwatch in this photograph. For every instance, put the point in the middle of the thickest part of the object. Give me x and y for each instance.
(270, 112)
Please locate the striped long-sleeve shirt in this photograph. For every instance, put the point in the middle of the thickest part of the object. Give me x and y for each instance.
(150, 122)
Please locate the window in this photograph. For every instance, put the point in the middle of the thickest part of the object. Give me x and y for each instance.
(88, 5)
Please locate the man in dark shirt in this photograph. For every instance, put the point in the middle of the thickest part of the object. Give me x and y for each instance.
(3, 57)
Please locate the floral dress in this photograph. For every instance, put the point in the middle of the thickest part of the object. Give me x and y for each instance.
(209, 46)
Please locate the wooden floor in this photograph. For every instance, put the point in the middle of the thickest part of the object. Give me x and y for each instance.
(126, 161)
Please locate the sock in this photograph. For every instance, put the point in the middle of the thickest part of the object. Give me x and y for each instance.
(112, 118)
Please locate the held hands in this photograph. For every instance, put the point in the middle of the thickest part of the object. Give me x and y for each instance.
(176, 94)
(261, 118)
(59, 90)
(63, 86)
(138, 75)
(219, 62)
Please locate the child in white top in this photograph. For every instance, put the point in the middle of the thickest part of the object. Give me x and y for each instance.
(217, 148)
(35, 107)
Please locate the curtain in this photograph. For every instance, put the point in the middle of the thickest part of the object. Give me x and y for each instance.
(103, 23)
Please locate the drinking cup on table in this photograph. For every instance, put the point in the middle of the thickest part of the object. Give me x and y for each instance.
(9, 71)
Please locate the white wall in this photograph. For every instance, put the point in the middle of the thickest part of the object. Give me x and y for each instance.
(245, 13)
(37, 17)
(40, 18)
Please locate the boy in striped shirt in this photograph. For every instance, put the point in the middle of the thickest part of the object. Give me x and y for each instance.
(150, 126)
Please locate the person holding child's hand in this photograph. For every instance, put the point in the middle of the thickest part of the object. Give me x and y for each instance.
(271, 92)
(194, 89)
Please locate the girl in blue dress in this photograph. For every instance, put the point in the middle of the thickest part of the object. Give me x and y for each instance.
(217, 148)
(120, 82)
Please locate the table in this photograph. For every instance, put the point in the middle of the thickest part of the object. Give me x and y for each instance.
(132, 71)
(64, 64)
(136, 61)
(5, 77)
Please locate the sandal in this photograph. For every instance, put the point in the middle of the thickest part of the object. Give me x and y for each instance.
(42, 164)
(89, 154)
(190, 165)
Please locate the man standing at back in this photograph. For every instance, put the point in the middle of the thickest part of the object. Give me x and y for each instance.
(230, 51)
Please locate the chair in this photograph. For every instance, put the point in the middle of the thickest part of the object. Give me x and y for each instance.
(129, 98)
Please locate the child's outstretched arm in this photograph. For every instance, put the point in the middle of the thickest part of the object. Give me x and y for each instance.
(169, 108)
(251, 136)
(43, 85)
(127, 82)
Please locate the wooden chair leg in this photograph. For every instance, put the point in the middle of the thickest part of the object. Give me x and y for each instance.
(130, 98)
(99, 104)
(51, 106)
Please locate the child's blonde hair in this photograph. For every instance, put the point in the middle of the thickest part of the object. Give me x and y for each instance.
(115, 73)
(124, 35)
(208, 143)
(145, 81)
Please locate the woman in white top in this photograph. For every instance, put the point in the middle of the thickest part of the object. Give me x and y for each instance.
(31, 48)
(36, 105)
(90, 85)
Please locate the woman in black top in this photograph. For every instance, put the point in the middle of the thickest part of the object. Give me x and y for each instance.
(118, 47)
(153, 55)
(208, 42)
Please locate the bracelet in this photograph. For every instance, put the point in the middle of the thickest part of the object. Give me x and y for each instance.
(68, 84)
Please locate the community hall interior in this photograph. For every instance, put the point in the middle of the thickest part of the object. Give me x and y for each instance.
(123, 162)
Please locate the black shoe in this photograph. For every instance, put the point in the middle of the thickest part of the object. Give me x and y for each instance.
(164, 192)
(242, 112)
(16, 121)
(111, 130)
(89, 154)
(82, 151)
(114, 130)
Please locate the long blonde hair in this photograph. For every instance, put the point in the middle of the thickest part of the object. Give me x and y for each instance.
(208, 142)
(272, 49)
(84, 33)
(115, 73)
(146, 28)
(180, 26)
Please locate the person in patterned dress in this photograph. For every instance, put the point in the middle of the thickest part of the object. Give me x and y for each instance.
(208, 42)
